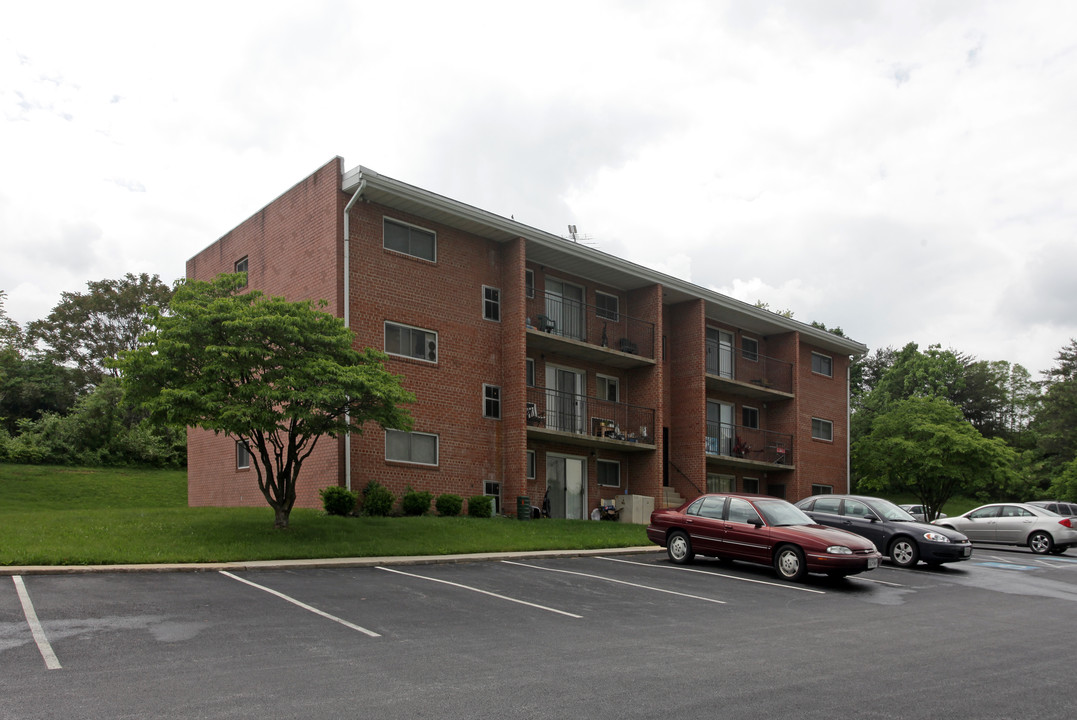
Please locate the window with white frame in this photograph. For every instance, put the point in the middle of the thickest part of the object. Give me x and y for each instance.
(493, 490)
(749, 349)
(409, 239)
(750, 485)
(609, 473)
(531, 465)
(749, 417)
(822, 364)
(607, 306)
(243, 456)
(721, 483)
(411, 447)
(529, 283)
(822, 429)
(491, 303)
(411, 342)
(530, 378)
(241, 264)
(491, 401)
(607, 387)
(821, 490)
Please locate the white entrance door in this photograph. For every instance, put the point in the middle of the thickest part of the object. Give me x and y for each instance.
(565, 484)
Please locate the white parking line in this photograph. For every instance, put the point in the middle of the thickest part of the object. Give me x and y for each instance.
(714, 574)
(877, 582)
(35, 625)
(620, 582)
(484, 592)
(303, 605)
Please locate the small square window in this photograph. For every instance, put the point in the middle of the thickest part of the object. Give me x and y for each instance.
(749, 349)
(821, 490)
(749, 417)
(491, 401)
(751, 485)
(409, 240)
(607, 306)
(243, 456)
(607, 387)
(822, 364)
(491, 303)
(411, 447)
(609, 473)
(822, 429)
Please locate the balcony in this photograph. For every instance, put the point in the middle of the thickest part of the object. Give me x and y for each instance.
(748, 374)
(560, 325)
(580, 420)
(744, 447)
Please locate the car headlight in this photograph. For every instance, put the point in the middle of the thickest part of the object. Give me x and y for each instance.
(839, 550)
(936, 537)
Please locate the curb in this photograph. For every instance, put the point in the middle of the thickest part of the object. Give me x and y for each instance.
(320, 563)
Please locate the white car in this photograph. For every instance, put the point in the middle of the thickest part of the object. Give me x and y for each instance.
(1016, 524)
(917, 511)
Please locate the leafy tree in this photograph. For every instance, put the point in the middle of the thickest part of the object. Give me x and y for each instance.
(924, 446)
(33, 386)
(866, 373)
(273, 374)
(11, 337)
(88, 329)
(834, 330)
(1055, 422)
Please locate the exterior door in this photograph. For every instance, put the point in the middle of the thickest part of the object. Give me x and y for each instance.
(564, 305)
(746, 536)
(565, 486)
(1014, 524)
(980, 525)
(566, 405)
(719, 428)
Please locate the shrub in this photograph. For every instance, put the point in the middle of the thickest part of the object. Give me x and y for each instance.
(377, 499)
(416, 502)
(449, 505)
(338, 500)
(481, 506)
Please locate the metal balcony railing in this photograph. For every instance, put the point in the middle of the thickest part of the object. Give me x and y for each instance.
(594, 325)
(728, 440)
(582, 415)
(749, 367)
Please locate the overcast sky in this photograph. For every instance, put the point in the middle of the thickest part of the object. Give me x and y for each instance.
(906, 171)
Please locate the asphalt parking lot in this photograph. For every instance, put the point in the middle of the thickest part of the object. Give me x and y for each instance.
(618, 636)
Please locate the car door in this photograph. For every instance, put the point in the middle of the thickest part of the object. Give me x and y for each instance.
(857, 517)
(746, 537)
(706, 527)
(826, 511)
(1014, 524)
(979, 525)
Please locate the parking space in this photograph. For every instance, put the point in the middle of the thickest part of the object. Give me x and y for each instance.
(221, 641)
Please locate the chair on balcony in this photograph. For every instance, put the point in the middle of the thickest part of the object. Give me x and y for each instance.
(627, 346)
(533, 416)
(545, 323)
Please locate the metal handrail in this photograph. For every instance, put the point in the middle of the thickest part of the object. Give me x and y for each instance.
(591, 324)
(729, 440)
(584, 415)
(752, 367)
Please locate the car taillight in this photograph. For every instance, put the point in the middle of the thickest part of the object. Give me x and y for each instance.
(1066, 522)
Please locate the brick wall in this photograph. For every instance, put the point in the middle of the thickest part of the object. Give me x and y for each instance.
(293, 250)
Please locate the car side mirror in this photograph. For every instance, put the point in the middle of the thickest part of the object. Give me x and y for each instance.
(756, 522)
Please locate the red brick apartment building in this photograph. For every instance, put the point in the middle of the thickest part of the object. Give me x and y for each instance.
(539, 364)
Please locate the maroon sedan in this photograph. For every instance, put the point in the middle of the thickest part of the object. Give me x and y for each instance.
(762, 530)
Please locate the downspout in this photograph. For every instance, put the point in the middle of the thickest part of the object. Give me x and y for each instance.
(347, 322)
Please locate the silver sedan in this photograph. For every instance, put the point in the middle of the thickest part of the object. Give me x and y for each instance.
(1016, 524)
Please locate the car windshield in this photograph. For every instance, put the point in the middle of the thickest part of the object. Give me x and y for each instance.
(889, 511)
(779, 512)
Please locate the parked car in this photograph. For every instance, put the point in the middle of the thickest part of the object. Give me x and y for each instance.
(1016, 524)
(918, 512)
(1065, 509)
(894, 531)
(762, 530)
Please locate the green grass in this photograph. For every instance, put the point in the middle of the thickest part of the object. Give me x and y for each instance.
(88, 516)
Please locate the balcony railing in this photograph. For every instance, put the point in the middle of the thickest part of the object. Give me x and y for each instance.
(737, 441)
(749, 367)
(582, 415)
(593, 325)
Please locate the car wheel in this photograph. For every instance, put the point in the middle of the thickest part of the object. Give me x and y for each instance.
(1040, 543)
(789, 563)
(904, 553)
(679, 548)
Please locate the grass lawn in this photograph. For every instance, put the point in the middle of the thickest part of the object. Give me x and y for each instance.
(88, 516)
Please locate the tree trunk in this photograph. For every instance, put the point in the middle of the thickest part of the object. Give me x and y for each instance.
(281, 521)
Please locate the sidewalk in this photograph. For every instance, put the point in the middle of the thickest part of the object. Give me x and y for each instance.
(318, 563)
